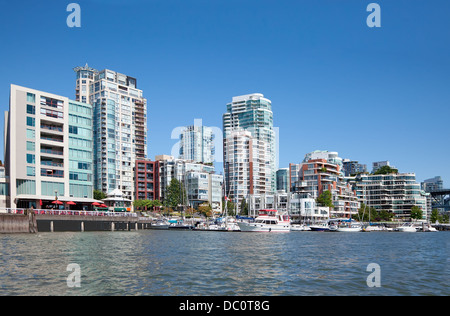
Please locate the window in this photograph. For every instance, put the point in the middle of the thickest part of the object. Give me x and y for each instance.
(31, 98)
(31, 158)
(31, 171)
(31, 109)
(80, 190)
(26, 186)
(31, 133)
(30, 121)
(49, 188)
(73, 129)
(30, 146)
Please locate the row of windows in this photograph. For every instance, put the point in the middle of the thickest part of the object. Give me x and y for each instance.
(49, 188)
(84, 132)
(80, 120)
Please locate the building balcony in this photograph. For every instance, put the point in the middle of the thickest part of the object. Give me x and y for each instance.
(47, 151)
(52, 173)
(54, 129)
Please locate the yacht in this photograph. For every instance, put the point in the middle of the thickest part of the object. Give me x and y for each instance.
(160, 224)
(320, 227)
(407, 227)
(267, 221)
(349, 226)
(376, 228)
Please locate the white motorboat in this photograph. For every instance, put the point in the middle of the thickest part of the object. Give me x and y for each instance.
(160, 224)
(299, 228)
(350, 228)
(267, 221)
(407, 228)
(426, 227)
(376, 228)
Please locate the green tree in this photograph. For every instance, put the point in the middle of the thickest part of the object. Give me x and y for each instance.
(434, 216)
(386, 170)
(416, 212)
(244, 207)
(386, 216)
(325, 199)
(176, 194)
(99, 195)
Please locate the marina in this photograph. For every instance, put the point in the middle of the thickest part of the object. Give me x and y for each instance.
(268, 221)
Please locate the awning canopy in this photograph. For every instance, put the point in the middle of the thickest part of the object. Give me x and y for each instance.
(52, 198)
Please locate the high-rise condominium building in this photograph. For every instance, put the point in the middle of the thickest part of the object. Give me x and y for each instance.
(120, 126)
(251, 113)
(48, 149)
(247, 170)
(196, 143)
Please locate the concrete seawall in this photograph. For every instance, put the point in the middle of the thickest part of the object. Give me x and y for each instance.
(31, 221)
(10, 223)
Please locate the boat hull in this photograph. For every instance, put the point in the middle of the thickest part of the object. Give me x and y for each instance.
(261, 228)
(349, 229)
(319, 228)
(407, 229)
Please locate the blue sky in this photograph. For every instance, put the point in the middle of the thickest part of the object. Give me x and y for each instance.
(369, 93)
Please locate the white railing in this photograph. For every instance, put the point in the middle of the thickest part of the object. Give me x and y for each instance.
(67, 212)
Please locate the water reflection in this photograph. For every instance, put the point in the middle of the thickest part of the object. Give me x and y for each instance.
(210, 263)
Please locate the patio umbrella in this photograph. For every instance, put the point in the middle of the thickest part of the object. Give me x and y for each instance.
(103, 205)
(57, 202)
(71, 203)
(96, 204)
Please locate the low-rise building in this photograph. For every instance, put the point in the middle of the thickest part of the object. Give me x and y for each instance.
(395, 193)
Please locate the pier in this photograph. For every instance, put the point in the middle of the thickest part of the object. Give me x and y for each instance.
(33, 221)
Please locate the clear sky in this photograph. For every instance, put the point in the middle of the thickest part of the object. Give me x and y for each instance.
(335, 84)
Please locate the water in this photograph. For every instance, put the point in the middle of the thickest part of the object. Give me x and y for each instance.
(213, 263)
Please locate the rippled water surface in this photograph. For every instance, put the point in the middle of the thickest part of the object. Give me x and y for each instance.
(214, 263)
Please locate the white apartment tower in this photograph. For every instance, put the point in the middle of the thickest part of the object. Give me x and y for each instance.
(246, 169)
(251, 113)
(120, 126)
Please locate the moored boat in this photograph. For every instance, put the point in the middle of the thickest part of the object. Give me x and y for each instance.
(407, 228)
(320, 227)
(267, 221)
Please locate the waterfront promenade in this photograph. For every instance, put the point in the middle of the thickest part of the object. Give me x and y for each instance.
(43, 220)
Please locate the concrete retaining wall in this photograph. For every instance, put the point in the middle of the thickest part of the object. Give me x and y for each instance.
(10, 223)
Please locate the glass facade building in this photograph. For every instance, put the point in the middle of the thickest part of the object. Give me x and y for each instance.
(48, 149)
(119, 126)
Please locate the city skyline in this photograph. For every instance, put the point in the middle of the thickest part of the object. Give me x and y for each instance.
(335, 84)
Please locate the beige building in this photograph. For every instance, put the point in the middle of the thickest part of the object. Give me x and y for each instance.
(48, 149)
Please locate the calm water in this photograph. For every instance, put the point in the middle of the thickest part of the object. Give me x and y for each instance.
(211, 263)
